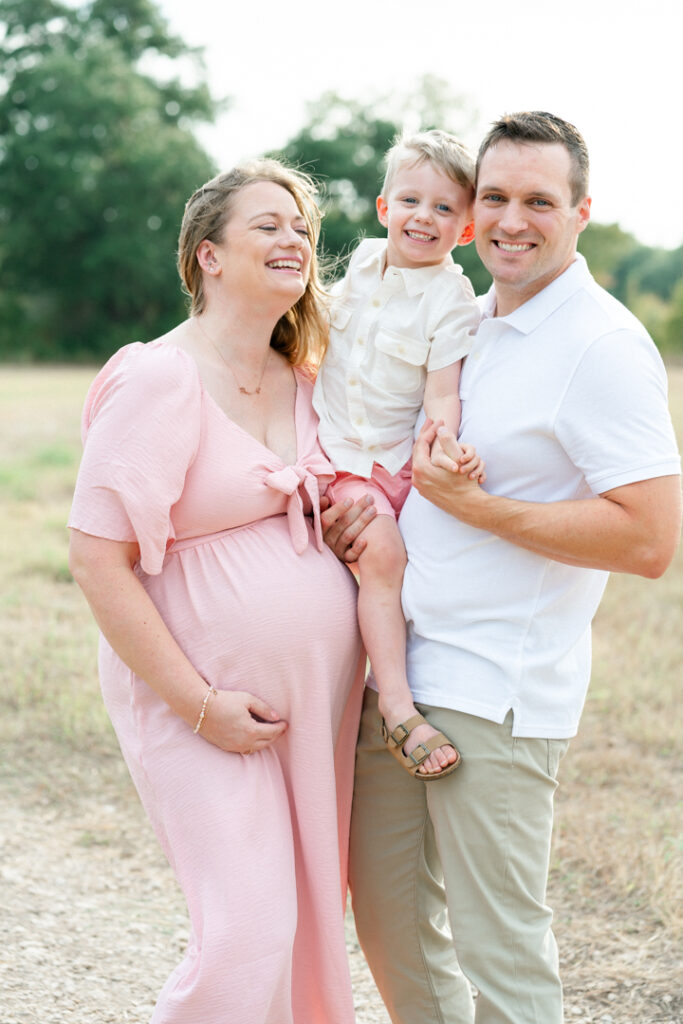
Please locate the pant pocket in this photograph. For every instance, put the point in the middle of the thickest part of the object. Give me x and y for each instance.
(556, 751)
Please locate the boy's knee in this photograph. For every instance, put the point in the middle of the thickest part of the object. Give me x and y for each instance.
(385, 555)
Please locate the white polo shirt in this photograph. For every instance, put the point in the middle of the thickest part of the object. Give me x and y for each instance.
(389, 328)
(565, 398)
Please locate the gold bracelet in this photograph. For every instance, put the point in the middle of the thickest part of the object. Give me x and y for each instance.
(202, 714)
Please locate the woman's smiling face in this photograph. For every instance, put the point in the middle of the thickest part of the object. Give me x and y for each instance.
(265, 248)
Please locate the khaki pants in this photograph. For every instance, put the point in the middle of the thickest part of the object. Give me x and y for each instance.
(476, 843)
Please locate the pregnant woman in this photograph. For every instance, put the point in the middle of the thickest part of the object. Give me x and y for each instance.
(230, 659)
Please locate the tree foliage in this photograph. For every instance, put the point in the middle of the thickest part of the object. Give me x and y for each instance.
(647, 280)
(96, 162)
(343, 144)
(97, 158)
(672, 328)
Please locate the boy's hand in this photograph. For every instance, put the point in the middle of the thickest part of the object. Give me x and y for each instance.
(471, 464)
(440, 458)
(447, 453)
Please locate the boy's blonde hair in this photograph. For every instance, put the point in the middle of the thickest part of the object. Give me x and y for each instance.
(439, 148)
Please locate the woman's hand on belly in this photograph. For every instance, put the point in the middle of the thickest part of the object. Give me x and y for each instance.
(240, 723)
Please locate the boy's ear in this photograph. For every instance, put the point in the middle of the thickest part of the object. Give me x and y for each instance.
(382, 211)
(467, 235)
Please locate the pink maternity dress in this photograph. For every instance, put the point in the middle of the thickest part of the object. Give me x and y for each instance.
(232, 556)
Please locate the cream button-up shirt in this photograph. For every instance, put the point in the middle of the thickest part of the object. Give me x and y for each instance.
(389, 328)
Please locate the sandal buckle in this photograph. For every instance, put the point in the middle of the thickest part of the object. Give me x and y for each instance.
(417, 761)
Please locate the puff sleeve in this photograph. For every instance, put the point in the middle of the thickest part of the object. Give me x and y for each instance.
(140, 430)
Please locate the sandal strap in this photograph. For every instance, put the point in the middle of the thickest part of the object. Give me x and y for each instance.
(400, 733)
(426, 748)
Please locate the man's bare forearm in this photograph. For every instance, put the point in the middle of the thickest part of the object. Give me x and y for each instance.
(634, 528)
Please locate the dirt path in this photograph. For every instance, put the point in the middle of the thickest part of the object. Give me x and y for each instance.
(92, 920)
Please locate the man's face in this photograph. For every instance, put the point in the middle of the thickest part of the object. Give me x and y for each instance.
(526, 225)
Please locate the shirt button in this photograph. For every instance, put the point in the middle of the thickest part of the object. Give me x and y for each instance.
(375, 303)
(353, 382)
(359, 421)
(401, 348)
(360, 341)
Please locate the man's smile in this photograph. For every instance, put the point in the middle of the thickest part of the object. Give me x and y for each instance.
(514, 246)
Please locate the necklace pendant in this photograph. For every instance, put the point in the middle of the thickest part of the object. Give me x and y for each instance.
(214, 346)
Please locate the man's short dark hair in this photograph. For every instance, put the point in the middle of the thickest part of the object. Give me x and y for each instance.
(538, 126)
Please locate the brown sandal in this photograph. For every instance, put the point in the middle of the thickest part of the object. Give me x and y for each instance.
(395, 741)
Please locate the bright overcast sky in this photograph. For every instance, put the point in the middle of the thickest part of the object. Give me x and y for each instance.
(612, 67)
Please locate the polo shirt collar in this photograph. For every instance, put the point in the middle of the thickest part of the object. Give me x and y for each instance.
(535, 311)
(415, 279)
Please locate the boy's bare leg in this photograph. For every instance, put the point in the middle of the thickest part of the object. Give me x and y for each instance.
(383, 628)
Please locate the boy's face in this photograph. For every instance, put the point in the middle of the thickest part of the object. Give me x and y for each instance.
(426, 215)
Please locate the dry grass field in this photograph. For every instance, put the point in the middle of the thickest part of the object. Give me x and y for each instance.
(93, 921)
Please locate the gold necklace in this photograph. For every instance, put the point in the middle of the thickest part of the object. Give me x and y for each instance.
(242, 389)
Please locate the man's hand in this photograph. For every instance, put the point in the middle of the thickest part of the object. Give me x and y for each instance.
(634, 528)
(343, 524)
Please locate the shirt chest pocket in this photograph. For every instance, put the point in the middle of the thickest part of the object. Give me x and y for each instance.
(399, 365)
(339, 344)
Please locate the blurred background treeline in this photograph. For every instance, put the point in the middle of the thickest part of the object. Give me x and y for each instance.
(99, 152)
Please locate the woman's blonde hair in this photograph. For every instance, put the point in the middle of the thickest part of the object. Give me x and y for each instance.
(301, 334)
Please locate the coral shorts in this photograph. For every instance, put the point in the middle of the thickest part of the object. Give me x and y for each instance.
(389, 490)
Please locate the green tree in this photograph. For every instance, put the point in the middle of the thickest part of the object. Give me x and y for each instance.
(606, 248)
(657, 272)
(672, 329)
(646, 280)
(96, 161)
(343, 144)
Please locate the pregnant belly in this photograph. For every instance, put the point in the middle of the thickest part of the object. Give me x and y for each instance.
(253, 615)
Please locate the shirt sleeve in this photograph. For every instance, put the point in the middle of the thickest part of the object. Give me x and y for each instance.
(614, 420)
(140, 429)
(453, 335)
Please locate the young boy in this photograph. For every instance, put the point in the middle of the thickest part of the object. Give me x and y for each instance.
(401, 323)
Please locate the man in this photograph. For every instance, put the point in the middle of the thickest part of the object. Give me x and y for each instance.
(564, 395)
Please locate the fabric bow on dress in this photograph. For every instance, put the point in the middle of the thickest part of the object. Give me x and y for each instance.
(293, 480)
